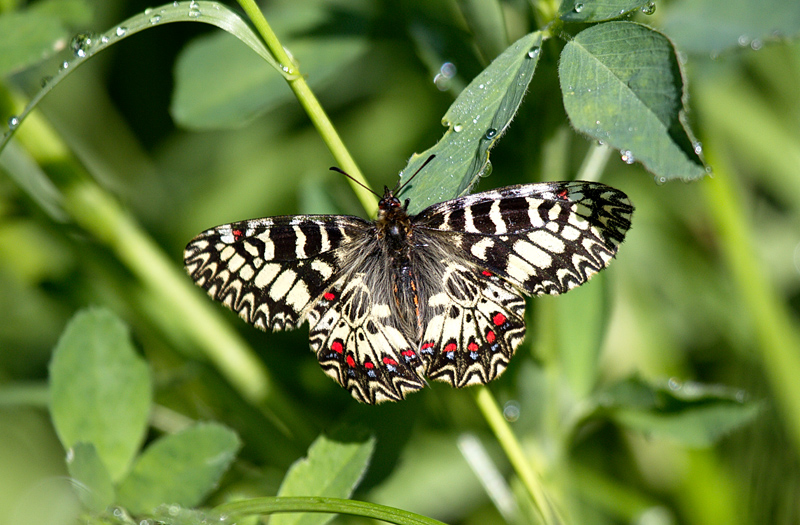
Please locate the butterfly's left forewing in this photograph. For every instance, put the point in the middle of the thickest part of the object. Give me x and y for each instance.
(272, 271)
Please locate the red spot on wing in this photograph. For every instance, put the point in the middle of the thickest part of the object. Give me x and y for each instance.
(408, 353)
(328, 296)
(451, 347)
(350, 361)
(486, 273)
(498, 319)
(336, 346)
(426, 346)
(368, 365)
(490, 337)
(237, 234)
(472, 347)
(389, 361)
(562, 194)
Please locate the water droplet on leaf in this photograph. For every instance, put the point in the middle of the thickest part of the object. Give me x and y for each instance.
(649, 9)
(13, 122)
(457, 128)
(627, 157)
(578, 8)
(121, 30)
(82, 43)
(155, 19)
(490, 134)
(533, 53)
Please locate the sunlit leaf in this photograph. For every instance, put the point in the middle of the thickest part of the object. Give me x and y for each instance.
(598, 10)
(100, 389)
(180, 468)
(475, 121)
(622, 85)
(332, 468)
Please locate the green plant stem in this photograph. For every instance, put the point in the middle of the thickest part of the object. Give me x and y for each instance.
(260, 506)
(311, 105)
(513, 450)
(778, 340)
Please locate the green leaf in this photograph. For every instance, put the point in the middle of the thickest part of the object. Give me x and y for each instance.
(693, 414)
(100, 389)
(248, 89)
(94, 485)
(597, 10)
(713, 26)
(622, 85)
(475, 121)
(332, 468)
(181, 468)
(29, 36)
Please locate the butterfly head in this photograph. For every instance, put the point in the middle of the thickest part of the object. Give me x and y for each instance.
(390, 208)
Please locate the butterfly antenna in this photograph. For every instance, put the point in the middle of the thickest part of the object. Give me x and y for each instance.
(401, 186)
(334, 168)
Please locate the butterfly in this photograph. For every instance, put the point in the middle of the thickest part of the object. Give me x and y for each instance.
(436, 295)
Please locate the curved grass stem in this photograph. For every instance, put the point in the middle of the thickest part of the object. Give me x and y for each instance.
(311, 105)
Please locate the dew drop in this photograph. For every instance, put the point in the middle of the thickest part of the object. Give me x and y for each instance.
(148, 10)
(481, 86)
(649, 9)
(697, 147)
(743, 40)
(13, 122)
(155, 19)
(533, 53)
(457, 128)
(64, 65)
(121, 30)
(673, 384)
(661, 180)
(104, 39)
(627, 157)
(448, 69)
(175, 3)
(70, 455)
(490, 134)
(511, 411)
(82, 43)
(45, 80)
(194, 9)
(487, 170)
(756, 44)
(578, 8)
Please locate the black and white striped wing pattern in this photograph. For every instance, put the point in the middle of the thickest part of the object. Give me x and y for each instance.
(544, 238)
(438, 295)
(272, 271)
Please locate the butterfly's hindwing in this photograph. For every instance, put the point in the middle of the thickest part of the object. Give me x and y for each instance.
(271, 271)
(476, 326)
(357, 344)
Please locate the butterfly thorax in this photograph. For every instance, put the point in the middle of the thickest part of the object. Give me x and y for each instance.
(395, 235)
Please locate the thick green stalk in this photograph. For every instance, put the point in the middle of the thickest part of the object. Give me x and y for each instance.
(305, 96)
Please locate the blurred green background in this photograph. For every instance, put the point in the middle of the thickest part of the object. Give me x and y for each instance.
(682, 305)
